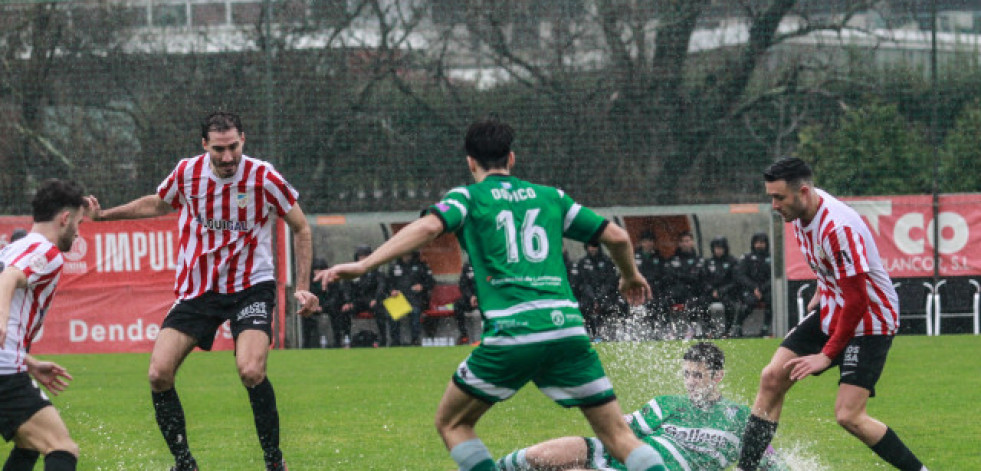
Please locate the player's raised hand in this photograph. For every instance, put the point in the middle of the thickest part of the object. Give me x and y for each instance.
(344, 271)
(309, 303)
(635, 289)
(53, 376)
(92, 211)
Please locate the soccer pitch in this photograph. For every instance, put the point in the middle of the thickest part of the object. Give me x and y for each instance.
(372, 409)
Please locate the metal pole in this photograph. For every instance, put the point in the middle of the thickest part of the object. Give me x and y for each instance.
(268, 83)
(934, 134)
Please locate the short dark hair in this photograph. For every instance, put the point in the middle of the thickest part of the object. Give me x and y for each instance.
(708, 353)
(489, 143)
(790, 169)
(55, 195)
(220, 121)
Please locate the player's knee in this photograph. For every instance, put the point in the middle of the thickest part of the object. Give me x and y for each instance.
(160, 379)
(774, 380)
(251, 375)
(848, 418)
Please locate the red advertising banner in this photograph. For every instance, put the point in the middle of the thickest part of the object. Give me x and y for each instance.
(116, 287)
(903, 228)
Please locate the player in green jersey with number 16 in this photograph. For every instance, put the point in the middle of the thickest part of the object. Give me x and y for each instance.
(533, 329)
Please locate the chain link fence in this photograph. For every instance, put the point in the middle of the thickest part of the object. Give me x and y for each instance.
(362, 104)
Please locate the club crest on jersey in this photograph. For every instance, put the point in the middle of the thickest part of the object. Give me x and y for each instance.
(242, 200)
(38, 262)
(558, 318)
(506, 185)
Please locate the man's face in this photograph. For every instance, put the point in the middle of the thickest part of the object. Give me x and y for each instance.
(687, 244)
(592, 250)
(718, 251)
(759, 246)
(647, 245)
(786, 199)
(225, 149)
(701, 383)
(70, 220)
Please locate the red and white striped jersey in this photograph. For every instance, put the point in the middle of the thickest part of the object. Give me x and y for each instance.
(837, 244)
(225, 229)
(41, 262)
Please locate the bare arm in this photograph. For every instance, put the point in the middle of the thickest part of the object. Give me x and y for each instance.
(633, 286)
(10, 279)
(411, 237)
(145, 207)
(302, 245)
(302, 254)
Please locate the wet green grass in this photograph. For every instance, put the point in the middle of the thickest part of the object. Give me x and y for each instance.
(372, 409)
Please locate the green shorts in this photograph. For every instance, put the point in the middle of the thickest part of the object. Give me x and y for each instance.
(567, 370)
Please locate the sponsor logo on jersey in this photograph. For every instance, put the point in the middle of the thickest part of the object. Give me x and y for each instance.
(242, 199)
(442, 207)
(223, 224)
(702, 436)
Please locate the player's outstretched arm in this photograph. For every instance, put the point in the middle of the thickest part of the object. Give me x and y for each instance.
(633, 286)
(411, 237)
(53, 376)
(145, 207)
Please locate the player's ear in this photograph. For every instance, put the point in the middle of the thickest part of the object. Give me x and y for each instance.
(204, 143)
(63, 217)
(510, 160)
(472, 164)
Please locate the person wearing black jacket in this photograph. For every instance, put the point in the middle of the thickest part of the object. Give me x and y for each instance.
(599, 298)
(413, 278)
(685, 280)
(466, 303)
(721, 290)
(362, 294)
(753, 275)
(651, 267)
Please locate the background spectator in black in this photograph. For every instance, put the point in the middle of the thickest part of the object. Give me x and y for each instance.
(466, 303)
(311, 324)
(413, 278)
(753, 275)
(722, 290)
(685, 280)
(598, 282)
(365, 294)
(651, 267)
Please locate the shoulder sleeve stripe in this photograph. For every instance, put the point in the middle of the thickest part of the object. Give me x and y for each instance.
(656, 408)
(459, 205)
(561, 193)
(460, 190)
(642, 424)
(571, 216)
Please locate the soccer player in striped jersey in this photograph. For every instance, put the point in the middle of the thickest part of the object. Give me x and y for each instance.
(696, 431)
(856, 318)
(533, 328)
(27, 286)
(226, 203)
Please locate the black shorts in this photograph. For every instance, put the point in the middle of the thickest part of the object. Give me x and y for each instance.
(860, 364)
(200, 317)
(20, 399)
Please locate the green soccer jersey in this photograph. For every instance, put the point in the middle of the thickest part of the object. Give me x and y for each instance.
(691, 438)
(513, 231)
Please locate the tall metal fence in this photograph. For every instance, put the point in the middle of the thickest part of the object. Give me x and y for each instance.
(362, 104)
